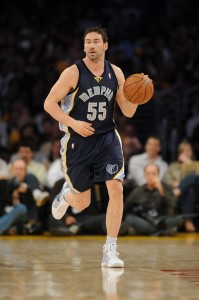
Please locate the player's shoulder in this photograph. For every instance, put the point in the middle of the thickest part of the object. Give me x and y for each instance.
(116, 69)
(118, 73)
(70, 71)
(70, 75)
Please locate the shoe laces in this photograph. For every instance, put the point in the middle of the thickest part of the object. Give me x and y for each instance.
(110, 247)
(113, 254)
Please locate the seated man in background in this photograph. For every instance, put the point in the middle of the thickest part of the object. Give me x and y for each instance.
(36, 172)
(135, 175)
(16, 200)
(149, 209)
(26, 151)
(182, 175)
(187, 193)
(138, 162)
(12, 211)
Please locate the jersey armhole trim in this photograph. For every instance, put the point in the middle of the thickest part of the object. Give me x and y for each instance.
(73, 90)
(113, 73)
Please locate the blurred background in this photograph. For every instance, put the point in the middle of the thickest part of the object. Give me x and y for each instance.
(38, 39)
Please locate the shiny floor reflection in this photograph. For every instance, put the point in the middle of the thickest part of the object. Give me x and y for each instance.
(69, 268)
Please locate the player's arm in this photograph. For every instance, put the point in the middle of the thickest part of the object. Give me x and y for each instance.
(67, 81)
(127, 108)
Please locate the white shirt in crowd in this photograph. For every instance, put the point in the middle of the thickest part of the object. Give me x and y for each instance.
(137, 164)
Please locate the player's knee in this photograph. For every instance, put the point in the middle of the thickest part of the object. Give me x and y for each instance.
(116, 189)
(82, 204)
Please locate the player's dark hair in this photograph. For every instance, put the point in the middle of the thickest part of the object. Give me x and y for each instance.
(99, 30)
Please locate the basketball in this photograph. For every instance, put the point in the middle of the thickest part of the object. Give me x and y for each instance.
(138, 88)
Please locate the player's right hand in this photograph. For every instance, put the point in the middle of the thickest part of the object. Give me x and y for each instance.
(83, 128)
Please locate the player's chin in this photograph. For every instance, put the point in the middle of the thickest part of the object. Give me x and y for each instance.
(92, 56)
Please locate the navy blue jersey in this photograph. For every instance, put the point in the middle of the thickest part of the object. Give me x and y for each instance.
(93, 99)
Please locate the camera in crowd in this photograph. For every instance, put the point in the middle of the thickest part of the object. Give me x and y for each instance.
(13, 184)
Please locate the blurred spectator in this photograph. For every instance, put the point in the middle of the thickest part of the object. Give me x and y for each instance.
(184, 165)
(187, 193)
(4, 171)
(19, 170)
(29, 131)
(5, 154)
(17, 202)
(183, 178)
(131, 145)
(192, 128)
(193, 121)
(138, 162)
(47, 150)
(12, 212)
(26, 151)
(47, 133)
(3, 134)
(55, 170)
(195, 142)
(17, 116)
(150, 208)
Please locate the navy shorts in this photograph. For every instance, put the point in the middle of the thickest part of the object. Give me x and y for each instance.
(96, 158)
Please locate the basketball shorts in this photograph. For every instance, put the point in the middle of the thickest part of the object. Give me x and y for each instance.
(96, 158)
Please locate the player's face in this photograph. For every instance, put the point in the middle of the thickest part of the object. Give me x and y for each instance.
(94, 47)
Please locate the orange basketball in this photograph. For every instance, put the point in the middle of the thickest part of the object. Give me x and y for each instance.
(138, 88)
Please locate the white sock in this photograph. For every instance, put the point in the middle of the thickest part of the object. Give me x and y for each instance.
(110, 240)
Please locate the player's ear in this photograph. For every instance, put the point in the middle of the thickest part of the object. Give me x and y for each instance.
(105, 46)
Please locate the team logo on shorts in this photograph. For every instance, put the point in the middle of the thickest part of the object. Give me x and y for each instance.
(112, 169)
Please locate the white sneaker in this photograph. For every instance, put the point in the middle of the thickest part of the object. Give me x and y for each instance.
(110, 257)
(60, 204)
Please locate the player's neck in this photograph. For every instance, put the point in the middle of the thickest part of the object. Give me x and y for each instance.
(96, 67)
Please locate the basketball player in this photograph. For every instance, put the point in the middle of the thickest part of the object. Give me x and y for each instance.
(91, 147)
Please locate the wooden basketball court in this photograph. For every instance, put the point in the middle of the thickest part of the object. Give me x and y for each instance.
(43, 267)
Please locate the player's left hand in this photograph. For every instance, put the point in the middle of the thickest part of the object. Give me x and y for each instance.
(83, 128)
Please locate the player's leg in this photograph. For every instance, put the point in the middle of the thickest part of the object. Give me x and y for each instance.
(113, 222)
(109, 167)
(115, 207)
(67, 198)
(76, 189)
